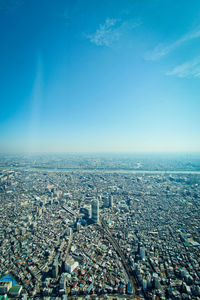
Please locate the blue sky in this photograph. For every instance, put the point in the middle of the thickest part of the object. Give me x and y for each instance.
(100, 75)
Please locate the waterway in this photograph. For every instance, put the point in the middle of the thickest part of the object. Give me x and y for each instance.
(101, 171)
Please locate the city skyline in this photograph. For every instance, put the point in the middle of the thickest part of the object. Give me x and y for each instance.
(100, 76)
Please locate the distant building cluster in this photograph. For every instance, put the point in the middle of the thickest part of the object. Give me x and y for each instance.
(99, 235)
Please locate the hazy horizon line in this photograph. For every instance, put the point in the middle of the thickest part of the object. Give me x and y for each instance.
(99, 152)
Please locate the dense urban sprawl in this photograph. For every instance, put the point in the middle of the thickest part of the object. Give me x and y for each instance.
(99, 235)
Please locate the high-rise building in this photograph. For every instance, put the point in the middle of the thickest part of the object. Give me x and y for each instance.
(5, 286)
(99, 197)
(62, 282)
(69, 231)
(155, 280)
(106, 202)
(78, 226)
(70, 265)
(55, 268)
(142, 253)
(110, 200)
(95, 211)
(88, 211)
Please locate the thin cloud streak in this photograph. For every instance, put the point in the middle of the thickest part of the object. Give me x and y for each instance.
(110, 31)
(162, 50)
(187, 69)
(106, 34)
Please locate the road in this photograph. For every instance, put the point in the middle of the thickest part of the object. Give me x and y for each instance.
(69, 211)
(68, 247)
(127, 268)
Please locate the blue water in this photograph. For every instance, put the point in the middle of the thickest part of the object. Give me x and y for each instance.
(9, 278)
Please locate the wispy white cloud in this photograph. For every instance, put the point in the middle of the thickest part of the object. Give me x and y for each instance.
(106, 34)
(188, 69)
(163, 49)
(111, 31)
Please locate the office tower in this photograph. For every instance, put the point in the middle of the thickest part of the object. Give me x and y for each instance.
(5, 286)
(78, 226)
(155, 280)
(110, 200)
(88, 211)
(55, 269)
(62, 282)
(106, 202)
(70, 265)
(142, 253)
(69, 231)
(99, 198)
(95, 211)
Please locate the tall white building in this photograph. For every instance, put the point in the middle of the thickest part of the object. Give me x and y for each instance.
(70, 265)
(95, 211)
